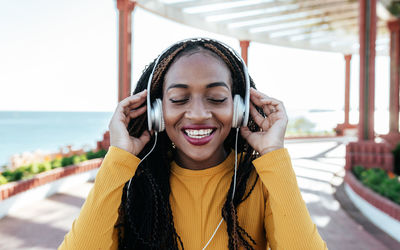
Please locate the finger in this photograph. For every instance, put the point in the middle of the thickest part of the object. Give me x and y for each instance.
(129, 113)
(261, 121)
(245, 132)
(257, 117)
(133, 101)
(270, 105)
(145, 137)
(137, 112)
(264, 100)
(135, 105)
(257, 93)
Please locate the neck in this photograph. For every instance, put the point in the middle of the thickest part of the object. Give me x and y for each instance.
(186, 162)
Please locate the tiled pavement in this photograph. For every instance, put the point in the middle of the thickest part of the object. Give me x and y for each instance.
(319, 168)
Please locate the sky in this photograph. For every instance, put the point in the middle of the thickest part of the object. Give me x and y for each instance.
(62, 56)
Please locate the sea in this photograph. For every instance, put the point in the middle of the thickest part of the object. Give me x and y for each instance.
(27, 131)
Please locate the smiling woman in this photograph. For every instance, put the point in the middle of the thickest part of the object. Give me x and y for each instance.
(197, 107)
(199, 183)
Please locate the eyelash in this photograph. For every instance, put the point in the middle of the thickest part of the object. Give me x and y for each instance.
(217, 100)
(183, 101)
(180, 101)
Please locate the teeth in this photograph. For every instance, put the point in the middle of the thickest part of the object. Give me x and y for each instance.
(198, 133)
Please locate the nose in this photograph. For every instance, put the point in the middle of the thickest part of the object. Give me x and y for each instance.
(198, 111)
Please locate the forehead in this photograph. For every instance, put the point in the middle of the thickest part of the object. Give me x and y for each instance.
(198, 66)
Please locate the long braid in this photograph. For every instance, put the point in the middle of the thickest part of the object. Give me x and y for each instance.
(161, 69)
(145, 217)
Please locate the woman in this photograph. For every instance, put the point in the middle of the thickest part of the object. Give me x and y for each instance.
(185, 193)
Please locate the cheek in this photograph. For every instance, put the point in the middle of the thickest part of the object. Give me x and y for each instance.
(171, 114)
(225, 114)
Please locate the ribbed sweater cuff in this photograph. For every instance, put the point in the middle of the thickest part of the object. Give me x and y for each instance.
(119, 165)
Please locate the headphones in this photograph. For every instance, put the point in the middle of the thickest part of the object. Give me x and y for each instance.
(155, 119)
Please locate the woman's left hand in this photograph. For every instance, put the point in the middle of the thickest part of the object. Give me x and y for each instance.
(273, 126)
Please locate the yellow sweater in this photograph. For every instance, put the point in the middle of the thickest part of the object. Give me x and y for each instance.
(275, 214)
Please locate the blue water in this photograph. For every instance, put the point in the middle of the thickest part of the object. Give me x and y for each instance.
(48, 131)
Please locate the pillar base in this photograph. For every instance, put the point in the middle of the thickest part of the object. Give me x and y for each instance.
(346, 129)
(369, 154)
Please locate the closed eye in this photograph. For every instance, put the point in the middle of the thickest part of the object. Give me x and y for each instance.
(179, 101)
(217, 100)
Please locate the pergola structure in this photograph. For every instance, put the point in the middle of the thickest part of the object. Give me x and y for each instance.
(363, 27)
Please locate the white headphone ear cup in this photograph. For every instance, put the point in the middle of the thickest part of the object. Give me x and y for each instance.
(157, 116)
(238, 111)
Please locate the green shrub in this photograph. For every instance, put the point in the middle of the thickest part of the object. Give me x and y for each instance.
(66, 161)
(373, 176)
(17, 174)
(44, 166)
(76, 159)
(33, 168)
(28, 171)
(357, 170)
(7, 174)
(378, 180)
(3, 180)
(101, 153)
(391, 188)
(56, 163)
(93, 155)
(90, 155)
(83, 157)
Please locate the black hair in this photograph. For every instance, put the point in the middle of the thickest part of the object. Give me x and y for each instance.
(145, 217)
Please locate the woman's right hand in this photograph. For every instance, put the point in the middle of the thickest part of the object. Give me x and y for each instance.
(126, 110)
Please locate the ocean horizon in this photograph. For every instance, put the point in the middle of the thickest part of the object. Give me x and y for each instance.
(48, 131)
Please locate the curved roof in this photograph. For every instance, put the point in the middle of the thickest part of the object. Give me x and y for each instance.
(326, 25)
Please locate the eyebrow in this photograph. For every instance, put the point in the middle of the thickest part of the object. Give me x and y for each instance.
(210, 85)
(178, 85)
(217, 84)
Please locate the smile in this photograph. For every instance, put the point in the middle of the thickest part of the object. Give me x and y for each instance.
(198, 135)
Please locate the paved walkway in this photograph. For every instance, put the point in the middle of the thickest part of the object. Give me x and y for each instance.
(319, 168)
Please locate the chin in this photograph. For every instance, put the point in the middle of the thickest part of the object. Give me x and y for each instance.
(200, 155)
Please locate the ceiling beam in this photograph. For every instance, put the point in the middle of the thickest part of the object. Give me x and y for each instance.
(270, 6)
(325, 7)
(323, 16)
(199, 3)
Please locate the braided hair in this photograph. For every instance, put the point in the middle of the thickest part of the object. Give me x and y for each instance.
(145, 217)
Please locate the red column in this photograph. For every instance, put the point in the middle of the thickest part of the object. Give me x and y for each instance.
(125, 8)
(394, 28)
(367, 32)
(244, 45)
(347, 90)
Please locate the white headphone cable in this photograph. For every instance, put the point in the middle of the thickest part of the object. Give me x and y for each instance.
(154, 145)
(234, 189)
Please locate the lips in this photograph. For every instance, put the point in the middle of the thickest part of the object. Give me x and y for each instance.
(198, 134)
